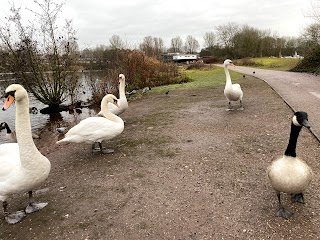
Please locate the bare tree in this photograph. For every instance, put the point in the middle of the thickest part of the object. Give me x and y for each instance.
(147, 45)
(116, 42)
(158, 46)
(226, 33)
(176, 44)
(209, 40)
(312, 33)
(152, 46)
(42, 56)
(247, 42)
(191, 44)
(315, 11)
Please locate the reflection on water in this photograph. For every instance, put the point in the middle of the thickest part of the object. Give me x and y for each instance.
(45, 122)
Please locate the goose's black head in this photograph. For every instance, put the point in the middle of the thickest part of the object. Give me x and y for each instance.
(2, 125)
(300, 119)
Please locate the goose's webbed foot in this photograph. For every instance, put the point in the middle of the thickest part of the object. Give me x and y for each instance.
(34, 207)
(297, 198)
(15, 217)
(282, 212)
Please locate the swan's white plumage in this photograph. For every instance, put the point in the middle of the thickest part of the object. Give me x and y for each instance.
(22, 167)
(232, 92)
(93, 129)
(8, 165)
(122, 100)
(96, 129)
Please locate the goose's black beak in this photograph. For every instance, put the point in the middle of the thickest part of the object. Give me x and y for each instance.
(305, 123)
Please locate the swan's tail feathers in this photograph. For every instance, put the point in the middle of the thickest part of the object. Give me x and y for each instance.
(62, 141)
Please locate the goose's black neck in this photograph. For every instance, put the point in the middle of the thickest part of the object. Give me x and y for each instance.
(7, 128)
(294, 134)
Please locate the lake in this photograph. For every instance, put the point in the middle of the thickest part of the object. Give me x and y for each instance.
(45, 122)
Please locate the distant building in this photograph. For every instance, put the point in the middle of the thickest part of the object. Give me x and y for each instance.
(180, 57)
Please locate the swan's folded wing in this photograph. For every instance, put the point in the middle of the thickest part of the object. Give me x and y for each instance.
(9, 159)
(95, 128)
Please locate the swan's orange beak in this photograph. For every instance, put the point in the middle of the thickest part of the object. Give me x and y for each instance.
(8, 102)
(115, 102)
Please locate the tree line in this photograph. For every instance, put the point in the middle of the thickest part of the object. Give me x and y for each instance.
(46, 57)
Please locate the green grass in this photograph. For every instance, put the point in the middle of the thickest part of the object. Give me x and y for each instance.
(281, 64)
(201, 78)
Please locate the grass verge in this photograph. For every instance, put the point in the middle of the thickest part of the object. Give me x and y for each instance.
(281, 64)
(201, 78)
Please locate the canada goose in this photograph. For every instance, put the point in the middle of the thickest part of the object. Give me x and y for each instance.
(96, 129)
(22, 167)
(232, 92)
(146, 89)
(11, 135)
(33, 110)
(61, 129)
(290, 174)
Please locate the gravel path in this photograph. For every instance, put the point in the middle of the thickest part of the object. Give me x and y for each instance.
(184, 168)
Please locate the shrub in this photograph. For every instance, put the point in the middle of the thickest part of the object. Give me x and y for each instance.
(140, 71)
(310, 63)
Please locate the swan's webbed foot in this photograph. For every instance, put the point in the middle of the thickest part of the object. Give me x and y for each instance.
(297, 198)
(16, 217)
(101, 149)
(34, 207)
(94, 149)
(241, 106)
(229, 107)
(107, 151)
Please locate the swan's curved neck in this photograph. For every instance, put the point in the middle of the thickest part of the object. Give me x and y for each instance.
(23, 131)
(228, 78)
(107, 114)
(122, 92)
(294, 134)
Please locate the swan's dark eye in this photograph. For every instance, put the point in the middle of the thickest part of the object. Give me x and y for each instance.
(11, 93)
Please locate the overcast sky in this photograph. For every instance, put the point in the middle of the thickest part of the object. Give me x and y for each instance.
(97, 20)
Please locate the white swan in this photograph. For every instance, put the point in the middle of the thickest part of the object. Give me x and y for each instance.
(11, 135)
(290, 174)
(96, 129)
(232, 92)
(122, 101)
(22, 167)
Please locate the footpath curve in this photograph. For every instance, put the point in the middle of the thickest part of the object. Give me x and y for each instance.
(301, 91)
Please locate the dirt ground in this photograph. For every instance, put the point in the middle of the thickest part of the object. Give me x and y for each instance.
(184, 168)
